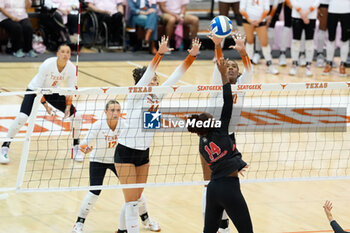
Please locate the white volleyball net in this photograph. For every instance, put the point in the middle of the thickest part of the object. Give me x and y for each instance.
(284, 132)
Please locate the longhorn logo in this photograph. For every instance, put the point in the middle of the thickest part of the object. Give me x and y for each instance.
(283, 85)
(104, 89)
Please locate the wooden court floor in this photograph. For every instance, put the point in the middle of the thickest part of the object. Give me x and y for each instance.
(275, 207)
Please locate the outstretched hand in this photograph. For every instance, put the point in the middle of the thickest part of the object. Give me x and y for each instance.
(67, 112)
(239, 40)
(327, 209)
(241, 172)
(49, 110)
(163, 45)
(196, 45)
(87, 150)
(216, 40)
(222, 66)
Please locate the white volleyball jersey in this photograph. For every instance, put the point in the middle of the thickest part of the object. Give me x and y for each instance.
(238, 97)
(106, 141)
(133, 135)
(339, 6)
(305, 5)
(325, 2)
(49, 76)
(254, 8)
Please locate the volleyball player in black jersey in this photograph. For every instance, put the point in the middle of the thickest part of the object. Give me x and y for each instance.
(219, 151)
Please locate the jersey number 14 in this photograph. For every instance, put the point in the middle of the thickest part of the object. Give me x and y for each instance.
(214, 149)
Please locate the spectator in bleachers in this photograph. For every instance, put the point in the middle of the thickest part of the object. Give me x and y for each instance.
(143, 13)
(52, 25)
(174, 13)
(68, 9)
(111, 12)
(14, 19)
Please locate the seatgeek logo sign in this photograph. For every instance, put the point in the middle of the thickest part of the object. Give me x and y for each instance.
(153, 120)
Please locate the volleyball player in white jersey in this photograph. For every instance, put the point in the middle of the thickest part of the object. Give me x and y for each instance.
(235, 77)
(322, 16)
(304, 14)
(105, 132)
(271, 19)
(338, 11)
(52, 72)
(254, 13)
(132, 153)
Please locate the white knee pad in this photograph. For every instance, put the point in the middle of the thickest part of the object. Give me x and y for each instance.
(17, 124)
(270, 35)
(344, 50)
(302, 42)
(142, 205)
(131, 216)
(320, 40)
(87, 204)
(122, 223)
(267, 53)
(285, 38)
(295, 50)
(330, 50)
(309, 50)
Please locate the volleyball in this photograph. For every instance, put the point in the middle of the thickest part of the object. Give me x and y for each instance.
(221, 26)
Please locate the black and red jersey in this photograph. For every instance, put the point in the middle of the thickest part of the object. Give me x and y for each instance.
(217, 147)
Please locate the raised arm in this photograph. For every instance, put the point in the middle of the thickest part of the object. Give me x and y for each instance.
(335, 226)
(218, 54)
(148, 75)
(227, 93)
(181, 69)
(247, 74)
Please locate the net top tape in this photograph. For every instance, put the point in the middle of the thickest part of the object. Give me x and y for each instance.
(190, 89)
